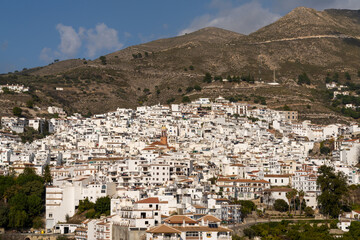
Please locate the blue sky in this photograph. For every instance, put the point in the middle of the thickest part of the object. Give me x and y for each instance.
(34, 33)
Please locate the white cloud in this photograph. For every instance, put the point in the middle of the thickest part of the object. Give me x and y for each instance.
(100, 38)
(95, 40)
(245, 18)
(47, 55)
(70, 41)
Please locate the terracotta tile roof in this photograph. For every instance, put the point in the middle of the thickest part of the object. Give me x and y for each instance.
(198, 206)
(176, 219)
(202, 229)
(209, 218)
(149, 200)
(163, 229)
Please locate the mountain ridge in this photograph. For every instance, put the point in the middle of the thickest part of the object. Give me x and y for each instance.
(304, 40)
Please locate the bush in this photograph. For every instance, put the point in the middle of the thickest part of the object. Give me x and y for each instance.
(197, 88)
(286, 108)
(281, 205)
(304, 79)
(170, 100)
(249, 232)
(102, 205)
(347, 76)
(189, 89)
(17, 111)
(103, 60)
(207, 78)
(38, 222)
(325, 150)
(186, 99)
(91, 213)
(309, 212)
(85, 205)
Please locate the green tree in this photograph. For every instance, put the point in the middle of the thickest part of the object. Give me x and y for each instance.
(250, 233)
(354, 231)
(325, 150)
(247, 207)
(281, 205)
(207, 78)
(47, 174)
(309, 212)
(289, 197)
(35, 206)
(27, 176)
(186, 99)
(304, 79)
(17, 111)
(301, 198)
(91, 213)
(191, 67)
(6, 90)
(197, 88)
(17, 218)
(347, 76)
(189, 89)
(85, 205)
(103, 60)
(286, 108)
(102, 205)
(4, 212)
(38, 222)
(293, 198)
(33, 188)
(170, 100)
(333, 187)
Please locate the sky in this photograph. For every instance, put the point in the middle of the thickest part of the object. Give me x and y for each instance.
(35, 33)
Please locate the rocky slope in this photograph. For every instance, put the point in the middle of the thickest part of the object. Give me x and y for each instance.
(305, 40)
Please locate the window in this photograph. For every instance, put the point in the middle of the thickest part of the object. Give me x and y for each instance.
(150, 205)
(208, 234)
(156, 213)
(192, 234)
(50, 215)
(146, 222)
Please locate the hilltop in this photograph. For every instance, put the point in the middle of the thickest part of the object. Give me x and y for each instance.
(319, 43)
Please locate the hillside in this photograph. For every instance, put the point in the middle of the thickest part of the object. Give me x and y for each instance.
(319, 43)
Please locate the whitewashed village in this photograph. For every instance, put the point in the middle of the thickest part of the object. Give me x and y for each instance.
(177, 171)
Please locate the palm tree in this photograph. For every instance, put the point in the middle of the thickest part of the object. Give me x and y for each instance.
(293, 198)
(301, 198)
(289, 197)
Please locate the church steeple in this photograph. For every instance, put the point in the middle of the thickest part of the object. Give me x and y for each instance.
(163, 138)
